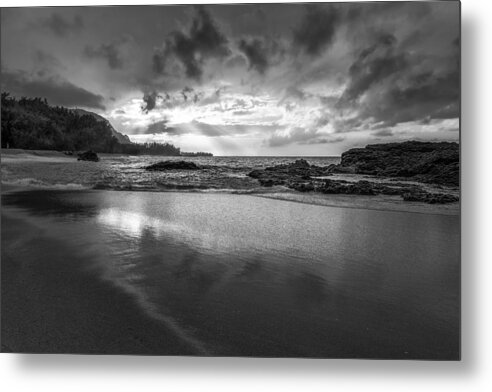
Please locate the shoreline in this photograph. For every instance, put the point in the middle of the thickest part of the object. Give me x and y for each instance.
(49, 160)
(376, 203)
(344, 202)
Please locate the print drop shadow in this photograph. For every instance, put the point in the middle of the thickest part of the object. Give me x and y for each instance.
(197, 366)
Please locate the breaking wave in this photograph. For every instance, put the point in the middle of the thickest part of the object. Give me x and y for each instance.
(35, 183)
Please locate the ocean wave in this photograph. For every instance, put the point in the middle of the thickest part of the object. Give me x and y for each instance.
(189, 188)
(34, 183)
(281, 193)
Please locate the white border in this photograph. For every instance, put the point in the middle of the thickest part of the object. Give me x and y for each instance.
(473, 373)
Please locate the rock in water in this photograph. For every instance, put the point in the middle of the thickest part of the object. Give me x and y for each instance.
(293, 173)
(428, 162)
(173, 165)
(303, 177)
(300, 163)
(88, 156)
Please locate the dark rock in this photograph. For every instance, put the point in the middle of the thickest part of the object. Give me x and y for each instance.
(430, 198)
(389, 190)
(173, 165)
(302, 186)
(437, 167)
(290, 174)
(256, 174)
(300, 163)
(344, 187)
(407, 192)
(419, 161)
(88, 156)
(341, 169)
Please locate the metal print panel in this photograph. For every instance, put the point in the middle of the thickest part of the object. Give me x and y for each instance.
(263, 180)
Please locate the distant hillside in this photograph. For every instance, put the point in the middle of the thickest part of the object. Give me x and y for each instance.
(123, 139)
(32, 124)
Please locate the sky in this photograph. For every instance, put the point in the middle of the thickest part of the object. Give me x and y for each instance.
(268, 79)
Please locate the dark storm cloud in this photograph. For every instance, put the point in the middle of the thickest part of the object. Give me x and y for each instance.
(317, 30)
(161, 127)
(236, 61)
(383, 133)
(293, 93)
(56, 90)
(304, 136)
(373, 64)
(324, 140)
(110, 52)
(360, 12)
(150, 100)
(282, 140)
(44, 59)
(159, 61)
(412, 79)
(203, 41)
(186, 92)
(63, 26)
(420, 95)
(429, 96)
(256, 52)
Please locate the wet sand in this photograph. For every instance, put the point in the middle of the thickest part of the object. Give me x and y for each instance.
(52, 304)
(209, 274)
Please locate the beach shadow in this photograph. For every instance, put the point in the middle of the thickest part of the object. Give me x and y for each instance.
(60, 203)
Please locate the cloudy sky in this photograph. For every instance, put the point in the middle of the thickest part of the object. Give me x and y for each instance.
(277, 79)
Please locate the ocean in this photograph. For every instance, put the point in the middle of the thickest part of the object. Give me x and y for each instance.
(51, 170)
(123, 172)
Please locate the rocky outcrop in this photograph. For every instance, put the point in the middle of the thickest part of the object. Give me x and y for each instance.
(406, 191)
(173, 165)
(303, 177)
(428, 162)
(88, 156)
(296, 172)
(427, 197)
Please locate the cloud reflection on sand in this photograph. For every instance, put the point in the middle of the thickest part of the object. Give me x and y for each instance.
(126, 272)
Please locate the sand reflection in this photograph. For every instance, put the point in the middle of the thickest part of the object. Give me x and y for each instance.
(131, 223)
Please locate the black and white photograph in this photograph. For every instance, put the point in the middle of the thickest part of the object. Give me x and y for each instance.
(232, 180)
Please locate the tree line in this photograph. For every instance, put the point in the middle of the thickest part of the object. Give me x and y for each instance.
(32, 124)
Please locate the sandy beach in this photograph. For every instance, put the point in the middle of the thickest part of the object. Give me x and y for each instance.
(54, 304)
(182, 273)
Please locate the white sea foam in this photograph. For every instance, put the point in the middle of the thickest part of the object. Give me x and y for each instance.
(34, 183)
